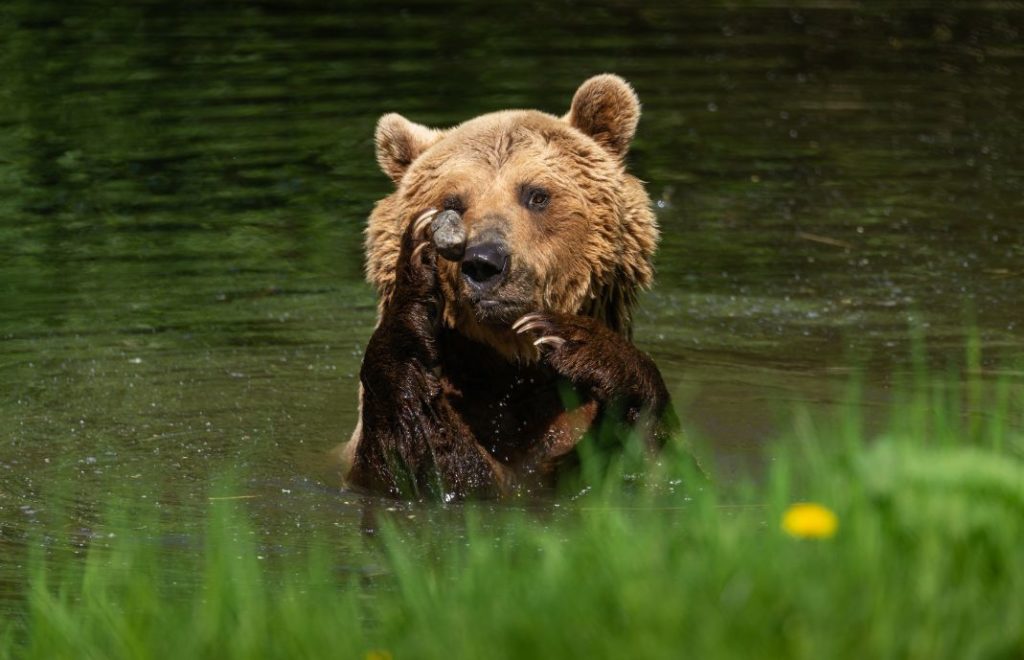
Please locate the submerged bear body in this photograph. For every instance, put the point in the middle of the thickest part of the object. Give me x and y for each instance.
(504, 338)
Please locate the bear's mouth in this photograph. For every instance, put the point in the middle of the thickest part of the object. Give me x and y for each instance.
(496, 311)
(500, 304)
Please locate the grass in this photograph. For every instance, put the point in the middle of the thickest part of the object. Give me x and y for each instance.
(927, 562)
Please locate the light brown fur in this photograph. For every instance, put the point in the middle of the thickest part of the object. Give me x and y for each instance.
(591, 258)
(585, 256)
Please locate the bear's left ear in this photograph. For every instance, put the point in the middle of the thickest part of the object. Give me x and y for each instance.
(607, 109)
(400, 142)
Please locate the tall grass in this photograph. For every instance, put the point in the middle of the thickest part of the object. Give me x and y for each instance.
(927, 562)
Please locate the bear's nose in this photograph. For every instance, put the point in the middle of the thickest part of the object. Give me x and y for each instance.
(485, 265)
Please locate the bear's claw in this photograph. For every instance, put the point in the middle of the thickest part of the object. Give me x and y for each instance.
(418, 249)
(415, 277)
(420, 224)
(532, 325)
(525, 320)
(538, 321)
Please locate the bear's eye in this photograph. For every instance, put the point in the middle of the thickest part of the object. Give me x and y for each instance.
(454, 203)
(536, 199)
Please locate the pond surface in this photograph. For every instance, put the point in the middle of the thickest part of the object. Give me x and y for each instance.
(183, 188)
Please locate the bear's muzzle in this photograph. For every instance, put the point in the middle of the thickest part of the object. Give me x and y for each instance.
(485, 265)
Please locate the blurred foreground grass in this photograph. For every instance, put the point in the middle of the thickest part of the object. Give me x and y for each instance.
(913, 548)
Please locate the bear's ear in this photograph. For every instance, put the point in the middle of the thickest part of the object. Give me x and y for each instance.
(400, 142)
(607, 109)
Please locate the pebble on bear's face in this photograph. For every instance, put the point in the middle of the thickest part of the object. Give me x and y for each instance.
(449, 235)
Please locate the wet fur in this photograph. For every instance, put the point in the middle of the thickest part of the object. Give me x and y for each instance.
(458, 403)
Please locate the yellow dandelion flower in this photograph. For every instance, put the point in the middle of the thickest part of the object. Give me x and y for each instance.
(807, 520)
(378, 654)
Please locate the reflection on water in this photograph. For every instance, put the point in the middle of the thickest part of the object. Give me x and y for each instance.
(183, 187)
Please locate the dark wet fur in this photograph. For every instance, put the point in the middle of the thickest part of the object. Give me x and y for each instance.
(444, 416)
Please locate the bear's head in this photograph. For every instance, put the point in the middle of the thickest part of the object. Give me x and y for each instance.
(553, 221)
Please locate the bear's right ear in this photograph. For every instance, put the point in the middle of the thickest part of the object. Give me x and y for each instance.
(400, 142)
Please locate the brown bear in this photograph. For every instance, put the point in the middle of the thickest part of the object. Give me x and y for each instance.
(487, 368)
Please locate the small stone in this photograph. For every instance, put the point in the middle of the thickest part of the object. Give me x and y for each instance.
(449, 235)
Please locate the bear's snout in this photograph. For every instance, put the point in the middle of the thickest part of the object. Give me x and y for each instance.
(485, 265)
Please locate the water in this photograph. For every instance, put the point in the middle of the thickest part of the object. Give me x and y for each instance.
(183, 188)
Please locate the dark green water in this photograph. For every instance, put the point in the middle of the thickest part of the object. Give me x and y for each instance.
(183, 187)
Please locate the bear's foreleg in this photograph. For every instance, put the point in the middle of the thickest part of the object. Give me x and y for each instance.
(411, 441)
(607, 366)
